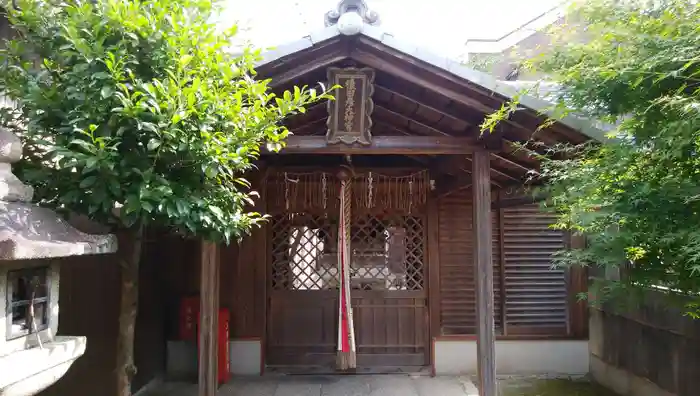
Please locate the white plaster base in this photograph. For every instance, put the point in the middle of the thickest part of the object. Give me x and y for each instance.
(246, 357)
(555, 358)
(181, 361)
(622, 381)
(32, 370)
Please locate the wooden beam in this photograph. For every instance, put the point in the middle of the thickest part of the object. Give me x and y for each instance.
(485, 305)
(455, 164)
(517, 201)
(454, 115)
(402, 145)
(421, 160)
(318, 111)
(297, 72)
(446, 186)
(409, 74)
(514, 163)
(412, 77)
(409, 119)
(208, 319)
(391, 127)
(308, 125)
(447, 112)
(504, 174)
(458, 166)
(270, 69)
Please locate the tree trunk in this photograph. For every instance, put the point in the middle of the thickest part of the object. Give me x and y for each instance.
(126, 369)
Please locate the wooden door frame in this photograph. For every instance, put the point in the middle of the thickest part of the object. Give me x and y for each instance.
(430, 277)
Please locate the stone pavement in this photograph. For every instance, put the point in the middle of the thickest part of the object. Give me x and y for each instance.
(332, 385)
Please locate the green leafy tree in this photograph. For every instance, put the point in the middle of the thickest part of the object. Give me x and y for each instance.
(637, 198)
(138, 113)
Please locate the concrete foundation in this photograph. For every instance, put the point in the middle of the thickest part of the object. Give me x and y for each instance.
(617, 377)
(622, 381)
(553, 358)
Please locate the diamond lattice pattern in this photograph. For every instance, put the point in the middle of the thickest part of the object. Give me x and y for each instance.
(387, 252)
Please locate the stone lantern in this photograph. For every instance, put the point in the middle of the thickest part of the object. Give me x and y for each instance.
(33, 243)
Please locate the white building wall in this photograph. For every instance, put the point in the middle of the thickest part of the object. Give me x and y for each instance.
(553, 358)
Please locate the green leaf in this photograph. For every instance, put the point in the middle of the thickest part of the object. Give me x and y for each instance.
(90, 164)
(114, 187)
(133, 204)
(185, 60)
(69, 196)
(106, 92)
(217, 211)
(171, 210)
(147, 206)
(88, 182)
(143, 106)
(153, 144)
(182, 207)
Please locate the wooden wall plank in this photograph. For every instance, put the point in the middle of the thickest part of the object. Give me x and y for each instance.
(457, 288)
(502, 272)
(228, 266)
(496, 253)
(260, 262)
(457, 296)
(537, 298)
(243, 277)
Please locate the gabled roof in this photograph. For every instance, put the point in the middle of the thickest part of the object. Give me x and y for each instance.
(369, 32)
(417, 94)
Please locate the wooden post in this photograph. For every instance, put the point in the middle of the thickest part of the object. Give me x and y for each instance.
(433, 271)
(208, 319)
(578, 283)
(486, 348)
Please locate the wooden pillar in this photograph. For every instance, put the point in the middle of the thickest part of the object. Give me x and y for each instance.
(208, 319)
(433, 271)
(486, 348)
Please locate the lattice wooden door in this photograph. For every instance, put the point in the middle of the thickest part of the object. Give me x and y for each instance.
(388, 281)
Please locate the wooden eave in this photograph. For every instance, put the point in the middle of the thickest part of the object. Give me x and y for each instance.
(424, 97)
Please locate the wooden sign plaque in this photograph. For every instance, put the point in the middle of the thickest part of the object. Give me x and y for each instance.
(349, 115)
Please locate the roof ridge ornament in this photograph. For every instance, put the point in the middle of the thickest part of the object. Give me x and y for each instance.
(350, 16)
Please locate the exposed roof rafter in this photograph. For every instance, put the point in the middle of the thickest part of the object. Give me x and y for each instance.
(410, 120)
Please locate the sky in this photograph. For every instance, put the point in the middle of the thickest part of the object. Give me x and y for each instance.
(440, 25)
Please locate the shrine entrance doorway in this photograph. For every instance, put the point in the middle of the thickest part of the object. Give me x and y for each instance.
(387, 268)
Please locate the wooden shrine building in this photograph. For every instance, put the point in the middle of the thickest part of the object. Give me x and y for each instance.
(449, 262)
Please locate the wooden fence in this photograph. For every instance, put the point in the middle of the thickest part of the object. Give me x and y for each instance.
(646, 348)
